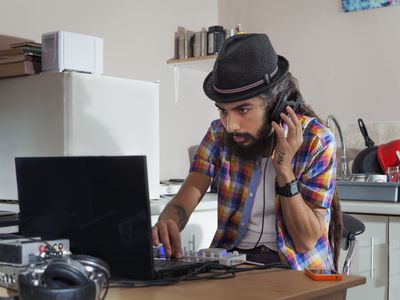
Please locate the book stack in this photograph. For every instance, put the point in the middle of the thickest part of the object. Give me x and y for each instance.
(21, 59)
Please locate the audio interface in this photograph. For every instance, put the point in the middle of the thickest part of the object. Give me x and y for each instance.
(23, 251)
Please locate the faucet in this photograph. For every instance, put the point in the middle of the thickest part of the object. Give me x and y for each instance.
(344, 173)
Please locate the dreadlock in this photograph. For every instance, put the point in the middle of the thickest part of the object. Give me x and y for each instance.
(290, 86)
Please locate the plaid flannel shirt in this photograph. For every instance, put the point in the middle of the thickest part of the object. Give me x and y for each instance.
(314, 166)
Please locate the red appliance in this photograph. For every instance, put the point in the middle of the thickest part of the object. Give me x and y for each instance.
(387, 156)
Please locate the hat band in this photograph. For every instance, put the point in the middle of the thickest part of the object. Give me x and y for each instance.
(267, 79)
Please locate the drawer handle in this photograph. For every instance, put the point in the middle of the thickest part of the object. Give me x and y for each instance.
(372, 258)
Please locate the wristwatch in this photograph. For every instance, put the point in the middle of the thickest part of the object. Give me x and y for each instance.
(289, 190)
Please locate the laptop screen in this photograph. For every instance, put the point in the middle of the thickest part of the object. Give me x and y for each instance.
(100, 203)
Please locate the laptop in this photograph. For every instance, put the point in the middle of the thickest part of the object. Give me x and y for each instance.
(101, 204)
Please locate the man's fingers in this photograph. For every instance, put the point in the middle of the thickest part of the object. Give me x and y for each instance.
(167, 233)
(295, 120)
(164, 237)
(176, 241)
(290, 125)
(154, 233)
(287, 120)
(280, 133)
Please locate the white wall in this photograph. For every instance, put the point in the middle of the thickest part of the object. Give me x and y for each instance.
(138, 40)
(348, 64)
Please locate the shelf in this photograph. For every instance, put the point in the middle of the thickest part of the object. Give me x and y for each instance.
(202, 63)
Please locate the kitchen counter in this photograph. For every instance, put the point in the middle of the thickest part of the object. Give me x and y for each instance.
(209, 202)
(377, 207)
(371, 207)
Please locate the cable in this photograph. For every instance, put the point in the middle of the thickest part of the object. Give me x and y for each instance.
(106, 290)
(214, 271)
(271, 265)
(157, 282)
(263, 215)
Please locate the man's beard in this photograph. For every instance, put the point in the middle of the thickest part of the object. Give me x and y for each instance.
(261, 145)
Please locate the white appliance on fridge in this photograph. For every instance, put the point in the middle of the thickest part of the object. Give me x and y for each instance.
(69, 113)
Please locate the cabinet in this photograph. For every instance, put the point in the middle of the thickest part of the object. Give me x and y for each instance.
(394, 257)
(377, 257)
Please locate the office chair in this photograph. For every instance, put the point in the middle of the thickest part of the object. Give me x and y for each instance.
(351, 228)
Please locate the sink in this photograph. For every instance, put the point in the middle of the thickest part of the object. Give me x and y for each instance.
(368, 191)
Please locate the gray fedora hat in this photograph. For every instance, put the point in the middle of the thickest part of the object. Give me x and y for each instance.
(246, 66)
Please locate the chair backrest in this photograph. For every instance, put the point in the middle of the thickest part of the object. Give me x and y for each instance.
(351, 228)
(343, 229)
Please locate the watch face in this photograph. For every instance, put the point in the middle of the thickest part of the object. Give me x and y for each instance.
(289, 190)
(294, 189)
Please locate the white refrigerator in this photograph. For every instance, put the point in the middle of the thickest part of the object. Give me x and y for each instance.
(69, 113)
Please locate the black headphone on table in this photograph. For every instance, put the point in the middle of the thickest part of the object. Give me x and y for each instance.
(78, 277)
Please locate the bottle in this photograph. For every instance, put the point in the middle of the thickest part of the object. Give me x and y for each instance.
(216, 36)
(200, 44)
(181, 47)
(229, 32)
(188, 45)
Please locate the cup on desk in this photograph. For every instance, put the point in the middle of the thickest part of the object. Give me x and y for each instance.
(393, 174)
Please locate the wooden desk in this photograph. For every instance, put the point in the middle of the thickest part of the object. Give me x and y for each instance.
(264, 284)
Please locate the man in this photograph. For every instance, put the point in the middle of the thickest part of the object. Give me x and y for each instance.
(275, 164)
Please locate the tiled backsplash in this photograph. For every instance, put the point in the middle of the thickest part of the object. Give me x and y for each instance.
(380, 133)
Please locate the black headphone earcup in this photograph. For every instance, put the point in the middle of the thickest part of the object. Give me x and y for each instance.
(275, 115)
(28, 291)
(93, 262)
(295, 102)
(65, 273)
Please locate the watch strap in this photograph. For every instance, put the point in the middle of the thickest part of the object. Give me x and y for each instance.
(288, 190)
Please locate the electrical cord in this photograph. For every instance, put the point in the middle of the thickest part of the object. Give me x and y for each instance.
(263, 215)
(158, 282)
(214, 271)
(106, 290)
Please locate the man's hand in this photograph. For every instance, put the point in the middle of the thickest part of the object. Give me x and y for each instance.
(286, 146)
(176, 214)
(167, 233)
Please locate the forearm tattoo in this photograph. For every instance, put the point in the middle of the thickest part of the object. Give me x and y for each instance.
(182, 217)
(281, 157)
